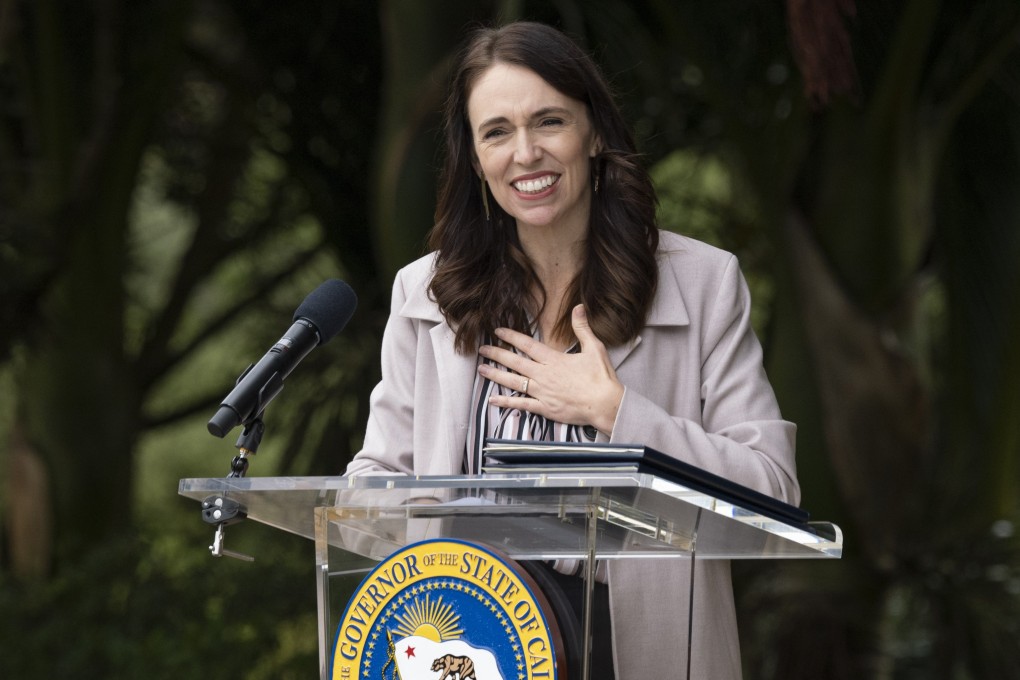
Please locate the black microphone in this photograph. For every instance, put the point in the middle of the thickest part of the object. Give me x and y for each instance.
(322, 315)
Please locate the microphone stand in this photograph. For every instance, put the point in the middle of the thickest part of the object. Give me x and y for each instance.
(222, 511)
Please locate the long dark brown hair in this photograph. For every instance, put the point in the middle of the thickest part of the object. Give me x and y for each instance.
(483, 278)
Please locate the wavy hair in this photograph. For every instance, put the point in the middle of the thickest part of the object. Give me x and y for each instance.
(483, 280)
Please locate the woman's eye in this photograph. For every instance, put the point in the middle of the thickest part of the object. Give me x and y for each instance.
(547, 122)
(492, 134)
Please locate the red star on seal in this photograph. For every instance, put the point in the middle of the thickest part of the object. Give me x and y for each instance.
(409, 651)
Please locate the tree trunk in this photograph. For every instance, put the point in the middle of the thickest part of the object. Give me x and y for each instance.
(28, 519)
(93, 105)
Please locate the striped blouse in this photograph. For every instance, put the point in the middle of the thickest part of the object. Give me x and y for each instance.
(495, 422)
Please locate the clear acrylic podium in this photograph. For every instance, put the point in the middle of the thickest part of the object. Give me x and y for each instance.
(551, 514)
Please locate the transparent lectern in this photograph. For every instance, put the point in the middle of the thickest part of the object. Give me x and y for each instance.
(550, 513)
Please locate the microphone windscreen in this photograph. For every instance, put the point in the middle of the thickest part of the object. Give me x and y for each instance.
(329, 307)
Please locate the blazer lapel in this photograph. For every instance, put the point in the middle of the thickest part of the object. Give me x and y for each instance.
(456, 379)
(667, 309)
(452, 388)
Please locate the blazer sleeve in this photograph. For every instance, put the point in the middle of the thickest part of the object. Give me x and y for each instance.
(739, 433)
(389, 435)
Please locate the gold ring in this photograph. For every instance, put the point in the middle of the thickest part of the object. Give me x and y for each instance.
(524, 386)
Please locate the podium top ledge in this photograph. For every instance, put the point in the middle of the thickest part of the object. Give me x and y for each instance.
(636, 501)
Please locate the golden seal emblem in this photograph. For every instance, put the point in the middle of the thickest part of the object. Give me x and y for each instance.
(447, 610)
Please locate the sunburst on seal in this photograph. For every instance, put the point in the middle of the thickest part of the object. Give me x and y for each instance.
(433, 620)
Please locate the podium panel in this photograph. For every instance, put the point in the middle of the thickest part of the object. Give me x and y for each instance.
(550, 516)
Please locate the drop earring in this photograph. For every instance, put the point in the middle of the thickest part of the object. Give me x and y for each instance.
(485, 198)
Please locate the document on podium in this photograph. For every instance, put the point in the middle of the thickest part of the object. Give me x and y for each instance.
(506, 455)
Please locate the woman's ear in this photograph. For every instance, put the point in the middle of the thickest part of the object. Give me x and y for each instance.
(596, 147)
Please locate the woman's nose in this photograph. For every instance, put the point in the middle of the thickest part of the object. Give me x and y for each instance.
(527, 149)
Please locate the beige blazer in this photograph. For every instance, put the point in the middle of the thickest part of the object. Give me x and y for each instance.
(695, 388)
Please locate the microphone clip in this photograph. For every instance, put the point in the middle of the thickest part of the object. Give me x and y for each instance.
(247, 446)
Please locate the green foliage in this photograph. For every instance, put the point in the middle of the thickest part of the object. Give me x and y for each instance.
(157, 605)
(699, 197)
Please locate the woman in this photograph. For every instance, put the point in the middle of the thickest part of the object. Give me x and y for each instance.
(552, 308)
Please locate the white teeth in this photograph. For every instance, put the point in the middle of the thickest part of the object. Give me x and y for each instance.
(535, 185)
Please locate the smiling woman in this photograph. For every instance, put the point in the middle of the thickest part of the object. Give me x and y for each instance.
(553, 309)
(534, 147)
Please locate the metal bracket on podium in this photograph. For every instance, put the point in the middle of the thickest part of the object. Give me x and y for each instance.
(221, 511)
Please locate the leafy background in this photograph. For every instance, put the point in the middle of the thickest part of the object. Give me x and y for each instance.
(176, 175)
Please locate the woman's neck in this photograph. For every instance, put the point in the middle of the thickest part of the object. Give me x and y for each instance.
(556, 256)
(556, 252)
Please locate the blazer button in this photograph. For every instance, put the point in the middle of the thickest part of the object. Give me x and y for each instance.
(590, 432)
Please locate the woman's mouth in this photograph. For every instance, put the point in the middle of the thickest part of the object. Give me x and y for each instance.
(536, 185)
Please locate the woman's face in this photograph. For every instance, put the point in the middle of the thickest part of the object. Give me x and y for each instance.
(534, 145)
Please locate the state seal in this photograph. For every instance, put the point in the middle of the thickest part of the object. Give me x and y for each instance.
(447, 610)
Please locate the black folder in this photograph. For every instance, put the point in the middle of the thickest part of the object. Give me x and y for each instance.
(506, 455)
